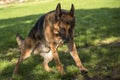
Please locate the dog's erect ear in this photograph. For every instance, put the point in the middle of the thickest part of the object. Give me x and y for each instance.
(72, 10)
(58, 11)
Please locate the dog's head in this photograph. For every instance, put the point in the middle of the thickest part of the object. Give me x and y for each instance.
(65, 22)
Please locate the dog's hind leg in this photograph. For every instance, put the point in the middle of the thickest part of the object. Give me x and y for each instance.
(47, 58)
(26, 49)
(23, 56)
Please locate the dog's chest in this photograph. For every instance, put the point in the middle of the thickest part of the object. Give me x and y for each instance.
(41, 48)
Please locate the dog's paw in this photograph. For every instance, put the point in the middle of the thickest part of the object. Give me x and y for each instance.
(84, 70)
(61, 70)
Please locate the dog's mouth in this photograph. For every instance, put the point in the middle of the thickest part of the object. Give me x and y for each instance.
(66, 40)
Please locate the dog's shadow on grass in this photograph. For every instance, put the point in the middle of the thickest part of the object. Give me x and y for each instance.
(91, 24)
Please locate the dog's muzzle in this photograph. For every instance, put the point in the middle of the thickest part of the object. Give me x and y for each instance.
(66, 40)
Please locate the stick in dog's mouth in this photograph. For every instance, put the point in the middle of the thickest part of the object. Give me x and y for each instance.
(58, 44)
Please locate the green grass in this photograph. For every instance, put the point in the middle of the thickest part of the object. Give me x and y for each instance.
(98, 40)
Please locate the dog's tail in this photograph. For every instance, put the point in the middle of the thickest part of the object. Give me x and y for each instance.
(19, 40)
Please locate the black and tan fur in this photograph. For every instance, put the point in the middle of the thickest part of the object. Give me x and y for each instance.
(51, 30)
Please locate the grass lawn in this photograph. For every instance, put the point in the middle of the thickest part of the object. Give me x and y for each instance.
(98, 40)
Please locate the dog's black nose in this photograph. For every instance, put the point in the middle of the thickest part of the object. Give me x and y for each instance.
(66, 40)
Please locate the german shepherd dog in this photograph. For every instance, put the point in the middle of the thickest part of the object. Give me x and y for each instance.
(50, 31)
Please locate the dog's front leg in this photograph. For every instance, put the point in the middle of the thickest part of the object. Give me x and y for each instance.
(74, 54)
(56, 58)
